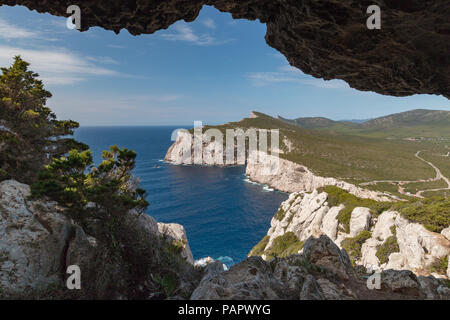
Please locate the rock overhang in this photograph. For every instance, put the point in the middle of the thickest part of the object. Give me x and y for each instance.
(327, 39)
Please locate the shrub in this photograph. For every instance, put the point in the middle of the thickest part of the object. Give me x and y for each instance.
(432, 213)
(389, 246)
(106, 192)
(258, 249)
(440, 266)
(280, 214)
(285, 245)
(337, 196)
(353, 245)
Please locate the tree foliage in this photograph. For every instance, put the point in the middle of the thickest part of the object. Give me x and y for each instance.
(106, 192)
(30, 134)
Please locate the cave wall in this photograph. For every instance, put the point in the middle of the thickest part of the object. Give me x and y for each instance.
(325, 38)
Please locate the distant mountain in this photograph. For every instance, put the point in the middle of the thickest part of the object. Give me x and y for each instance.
(414, 123)
(418, 117)
(359, 121)
(310, 122)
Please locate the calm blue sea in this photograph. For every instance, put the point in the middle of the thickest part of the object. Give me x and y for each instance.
(224, 215)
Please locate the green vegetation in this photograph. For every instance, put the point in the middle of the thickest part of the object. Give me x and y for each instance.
(285, 245)
(389, 246)
(417, 123)
(353, 245)
(440, 266)
(74, 182)
(280, 214)
(437, 194)
(392, 188)
(29, 132)
(337, 196)
(439, 159)
(433, 213)
(282, 246)
(258, 250)
(347, 155)
(105, 200)
(413, 188)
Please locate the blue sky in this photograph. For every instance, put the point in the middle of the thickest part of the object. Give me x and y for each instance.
(215, 69)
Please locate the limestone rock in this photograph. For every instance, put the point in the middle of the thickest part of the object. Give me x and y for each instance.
(330, 223)
(292, 177)
(308, 214)
(176, 232)
(249, 280)
(311, 290)
(37, 242)
(213, 269)
(448, 268)
(326, 254)
(404, 282)
(446, 233)
(360, 220)
(433, 288)
(280, 174)
(148, 223)
(419, 247)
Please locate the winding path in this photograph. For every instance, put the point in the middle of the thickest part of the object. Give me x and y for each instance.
(400, 183)
(439, 176)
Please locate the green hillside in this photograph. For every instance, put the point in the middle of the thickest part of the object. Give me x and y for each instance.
(420, 124)
(355, 158)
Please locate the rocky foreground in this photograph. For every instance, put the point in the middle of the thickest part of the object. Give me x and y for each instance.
(37, 243)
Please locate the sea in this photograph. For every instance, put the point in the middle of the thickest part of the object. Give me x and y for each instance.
(223, 212)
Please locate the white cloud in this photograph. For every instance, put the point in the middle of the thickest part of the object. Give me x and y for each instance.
(9, 31)
(108, 108)
(56, 66)
(183, 32)
(107, 60)
(260, 79)
(209, 23)
(290, 74)
(277, 55)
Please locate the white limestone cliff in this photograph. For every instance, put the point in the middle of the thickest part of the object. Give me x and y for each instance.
(308, 214)
(280, 174)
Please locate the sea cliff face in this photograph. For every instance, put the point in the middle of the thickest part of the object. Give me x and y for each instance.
(292, 177)
(285, 176)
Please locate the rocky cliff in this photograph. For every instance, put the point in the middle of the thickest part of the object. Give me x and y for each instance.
(286, 176)
(38, 242)
(375, 240)
(322, 271)
(293, 177)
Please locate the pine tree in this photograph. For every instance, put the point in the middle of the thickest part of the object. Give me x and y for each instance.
(30, 134)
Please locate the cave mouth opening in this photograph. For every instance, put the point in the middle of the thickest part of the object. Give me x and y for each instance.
(329, 40)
